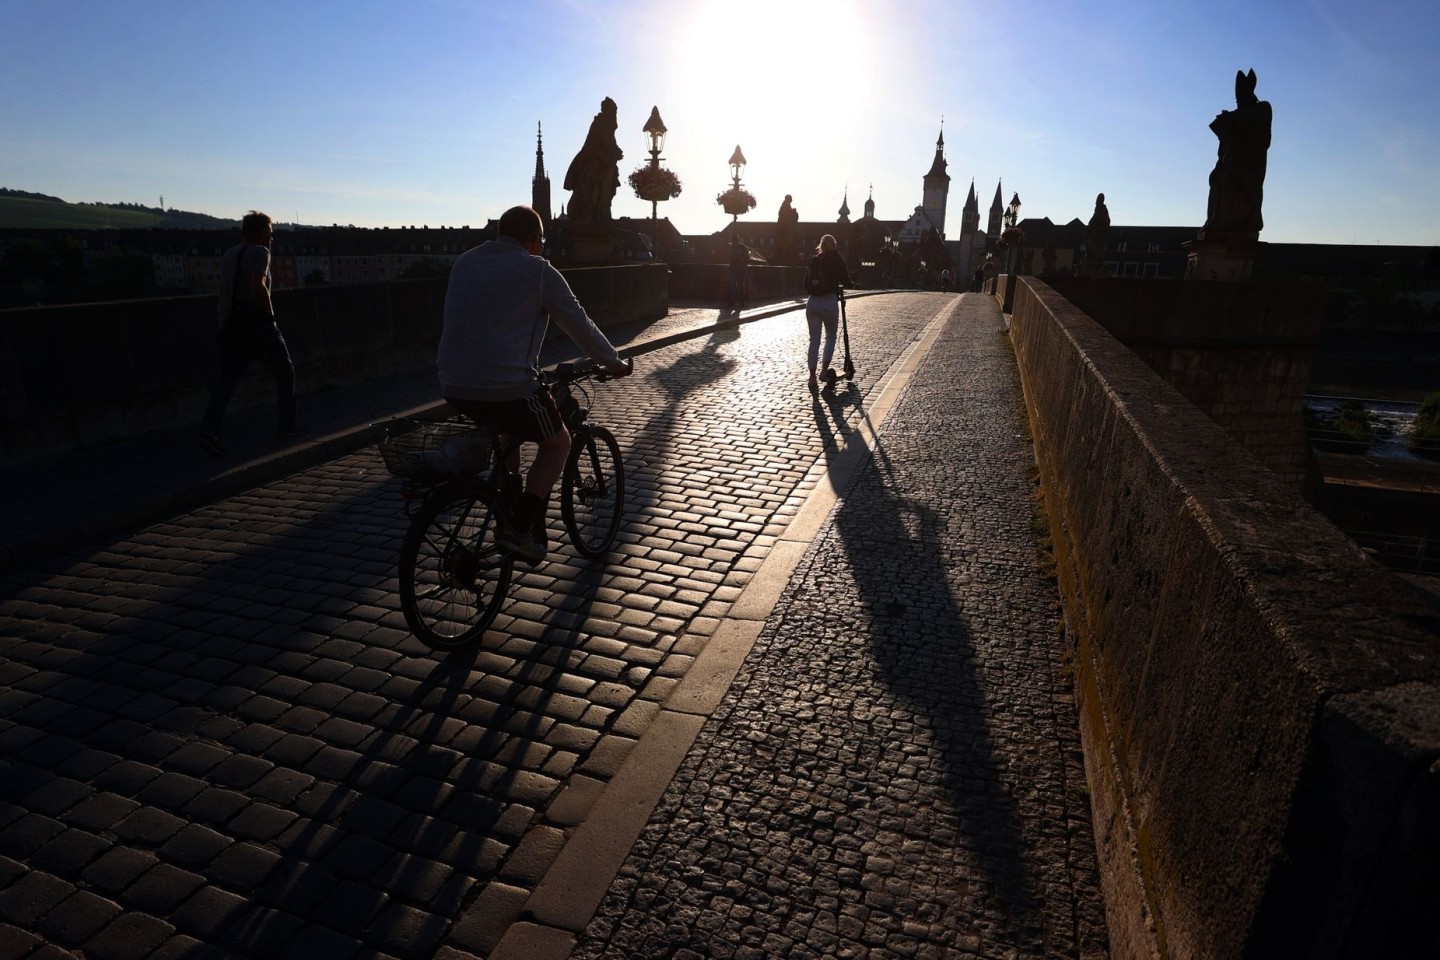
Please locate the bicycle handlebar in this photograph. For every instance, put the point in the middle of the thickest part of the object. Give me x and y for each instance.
(574, 372)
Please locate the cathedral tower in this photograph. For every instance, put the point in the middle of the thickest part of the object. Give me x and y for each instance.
(540, 183)
(937, 187)
(972, 241)
(997, 213)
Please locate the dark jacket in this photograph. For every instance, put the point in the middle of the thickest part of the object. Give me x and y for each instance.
(835, 271)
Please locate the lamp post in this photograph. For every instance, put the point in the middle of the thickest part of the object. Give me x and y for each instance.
(655, 137)
(1012, 216)
(737, 164)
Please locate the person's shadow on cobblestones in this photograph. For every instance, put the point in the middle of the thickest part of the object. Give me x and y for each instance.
(918, 633)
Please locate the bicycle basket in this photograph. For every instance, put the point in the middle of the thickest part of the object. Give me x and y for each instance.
(432, 449)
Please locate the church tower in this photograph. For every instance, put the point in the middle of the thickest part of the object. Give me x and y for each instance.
(937, 187)
(540, 183)
(997, 213)
(972, 241)
(845, 206)
(870, 204)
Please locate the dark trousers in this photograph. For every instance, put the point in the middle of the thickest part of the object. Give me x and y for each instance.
(238, 346)
(737, 286)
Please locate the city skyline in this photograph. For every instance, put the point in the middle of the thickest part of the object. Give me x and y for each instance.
(377, 114)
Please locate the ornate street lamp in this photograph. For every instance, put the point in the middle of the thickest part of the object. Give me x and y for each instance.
(737, 199)
(1012, 235)
(655, 134)
(651, 181)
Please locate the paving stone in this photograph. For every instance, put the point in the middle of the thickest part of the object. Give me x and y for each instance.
(130, 936)
(67, 853)
(349, 907)
(32, 896)
(22, 837)
(207, 913)
(77, 918)
(498, 906)
(242, 866)
(161, 889)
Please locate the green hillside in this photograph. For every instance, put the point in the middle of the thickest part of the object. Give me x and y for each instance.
(35, 211)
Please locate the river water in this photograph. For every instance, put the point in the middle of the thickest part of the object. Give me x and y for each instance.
(1391, 420)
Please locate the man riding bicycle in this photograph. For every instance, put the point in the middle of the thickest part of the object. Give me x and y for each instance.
(500, 298)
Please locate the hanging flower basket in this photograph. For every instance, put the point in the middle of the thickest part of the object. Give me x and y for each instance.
(654, 183)
(736, 200)
(1012, 237)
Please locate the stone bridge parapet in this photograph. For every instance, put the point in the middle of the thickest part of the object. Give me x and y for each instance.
(1259, 701)
(78, 375)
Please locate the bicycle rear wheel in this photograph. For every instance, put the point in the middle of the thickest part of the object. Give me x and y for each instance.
(453, 576)
(592, 491)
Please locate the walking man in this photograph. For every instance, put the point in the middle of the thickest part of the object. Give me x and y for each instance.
(248, 332)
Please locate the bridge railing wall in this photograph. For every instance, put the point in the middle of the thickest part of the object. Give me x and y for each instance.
(711, 282)
(74, 376)
(1241, 352)
(1258, 699)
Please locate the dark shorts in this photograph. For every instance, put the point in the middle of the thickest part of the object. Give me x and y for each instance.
(531, 418)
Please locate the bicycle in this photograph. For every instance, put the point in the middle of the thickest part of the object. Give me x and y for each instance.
(454, 577)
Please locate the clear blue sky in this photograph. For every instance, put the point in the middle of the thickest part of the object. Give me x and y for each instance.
(382, 112)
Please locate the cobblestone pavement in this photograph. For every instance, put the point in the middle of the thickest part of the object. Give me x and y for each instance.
(217, 738)
(896, 771)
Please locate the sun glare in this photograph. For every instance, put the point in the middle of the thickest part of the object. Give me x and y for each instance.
(765, 67)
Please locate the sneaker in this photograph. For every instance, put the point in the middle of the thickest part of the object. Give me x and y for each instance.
(294, 430)
(523, 543)
(210, 443)
(814, 384)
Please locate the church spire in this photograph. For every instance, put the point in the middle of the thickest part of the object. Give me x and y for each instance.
(540, 183)
(997, 209)
(937, 166)
(845, 206)
(870, 203)
(937, 186)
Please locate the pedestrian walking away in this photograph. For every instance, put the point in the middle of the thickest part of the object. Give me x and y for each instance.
(248, 332)
(824, 278)
(739, 262)
(498, 304)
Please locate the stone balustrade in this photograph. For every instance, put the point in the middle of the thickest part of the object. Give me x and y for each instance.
(1259, 701)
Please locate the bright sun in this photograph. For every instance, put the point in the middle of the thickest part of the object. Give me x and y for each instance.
(752, 65)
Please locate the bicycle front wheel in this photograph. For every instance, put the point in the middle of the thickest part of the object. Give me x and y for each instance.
(453, 576)
(592, 491)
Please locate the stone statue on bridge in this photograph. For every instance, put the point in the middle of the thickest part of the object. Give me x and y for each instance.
(785, 248)
(1095, 235)
(594, 174)
(1237, 182)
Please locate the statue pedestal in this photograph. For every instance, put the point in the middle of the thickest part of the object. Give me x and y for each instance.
(1091, 266)
(1221, 256)
(594, 243)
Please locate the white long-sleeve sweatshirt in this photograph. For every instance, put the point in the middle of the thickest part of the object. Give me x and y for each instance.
(497, 307)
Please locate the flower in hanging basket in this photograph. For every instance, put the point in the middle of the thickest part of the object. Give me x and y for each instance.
(654, 183)
(736, 200)
(1012, 237)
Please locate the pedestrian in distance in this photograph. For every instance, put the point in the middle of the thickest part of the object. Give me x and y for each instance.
(248, 332)
(824, 278)
(498, 304)
(739, 262)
